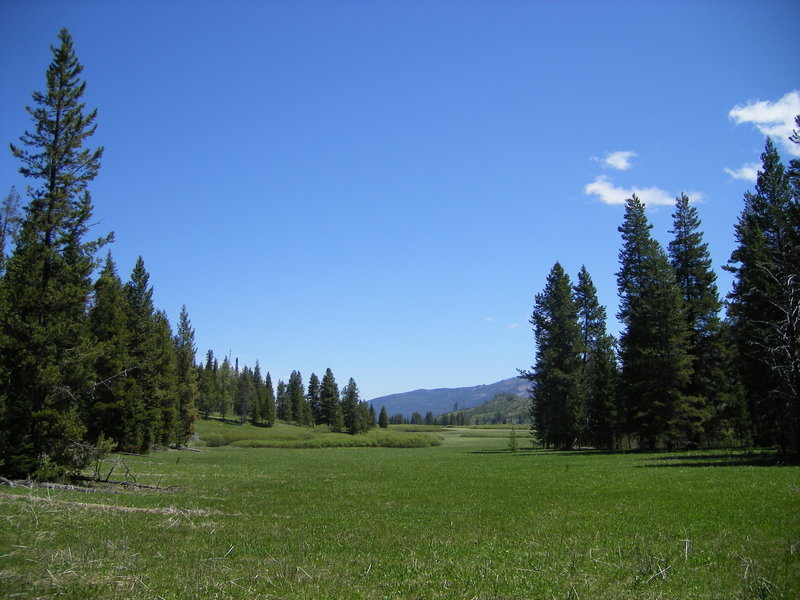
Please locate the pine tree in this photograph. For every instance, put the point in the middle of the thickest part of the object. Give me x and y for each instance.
(283, 402)
(47, 353)
(226, 387)
(245, 392)
(556, 402)
(383, 418)
(165, 380)
(764, 303)
(598, 364)
(330, 405)
(655, 364)
(188, 388)
(312, 395)
(297, 398)
(372, 420)
(105, 412)
(355, 416)
(207, 386)
(10, 218)
(708, 391)
(142, 414)
(269, 412)
(257, 409)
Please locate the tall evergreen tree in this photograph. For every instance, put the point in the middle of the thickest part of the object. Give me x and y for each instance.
(297, 398)
(312, 395)
(598, 366)
(164, 366)
(47, 352)
(330, 405)
(283, 402)
(142, 419)
(226, 387)
(188, 388)
(556, 401)
(269, 414)
(245, 392)
(764, 305)
(355, 421)
(257, 409)
(383, 418)
(207, 386)
(653, 345)
(105, 411)
(708, 391)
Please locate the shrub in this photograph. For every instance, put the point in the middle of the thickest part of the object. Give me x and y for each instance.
(214, 439)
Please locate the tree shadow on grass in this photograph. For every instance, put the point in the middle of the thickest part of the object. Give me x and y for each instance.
(669, 459)
(518, 451)
(757, 459)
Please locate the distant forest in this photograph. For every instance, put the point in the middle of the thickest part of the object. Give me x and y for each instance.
(89, 364)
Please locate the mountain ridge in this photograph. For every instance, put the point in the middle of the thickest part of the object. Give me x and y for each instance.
(442, 400)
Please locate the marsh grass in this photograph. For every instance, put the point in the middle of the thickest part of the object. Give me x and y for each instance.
(216, 433)
(467, 519)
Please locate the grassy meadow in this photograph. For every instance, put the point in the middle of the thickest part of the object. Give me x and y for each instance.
(465, 518)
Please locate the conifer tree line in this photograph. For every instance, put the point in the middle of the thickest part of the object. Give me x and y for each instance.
(679, 375)
(85, 359)
(226, 390)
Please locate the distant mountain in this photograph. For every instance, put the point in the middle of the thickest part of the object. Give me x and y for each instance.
(443, 400)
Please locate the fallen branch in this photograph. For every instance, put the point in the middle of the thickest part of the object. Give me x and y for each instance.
(662, 572)
(138, 486)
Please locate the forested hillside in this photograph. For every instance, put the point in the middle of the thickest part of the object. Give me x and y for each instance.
(442, 400)
(502, 409)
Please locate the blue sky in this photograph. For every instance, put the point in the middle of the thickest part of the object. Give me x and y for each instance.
(381, 187)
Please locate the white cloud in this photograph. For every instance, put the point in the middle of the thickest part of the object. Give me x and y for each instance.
(775, 119)
(513, 326)
(620, 160)
(608, 193)
(747, 172)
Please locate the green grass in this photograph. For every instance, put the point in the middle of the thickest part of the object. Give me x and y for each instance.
(466, 519)
(217, 433)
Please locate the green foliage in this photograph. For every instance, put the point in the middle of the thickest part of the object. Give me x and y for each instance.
(599, 375)
(513, 445)
(653, 345)
(557, 402)
(301, 410)
(330, 404)
(215, 433)
(10, 219)
(269, 415)
(503, 408)
(383, 418)
(709, 390)
(46, 371)
(764, 304)
(187, 385)
(283, 402)
(355, 412)
(105, 412)
(313, 398)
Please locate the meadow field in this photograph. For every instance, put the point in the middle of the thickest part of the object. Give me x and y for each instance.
(465, 518)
